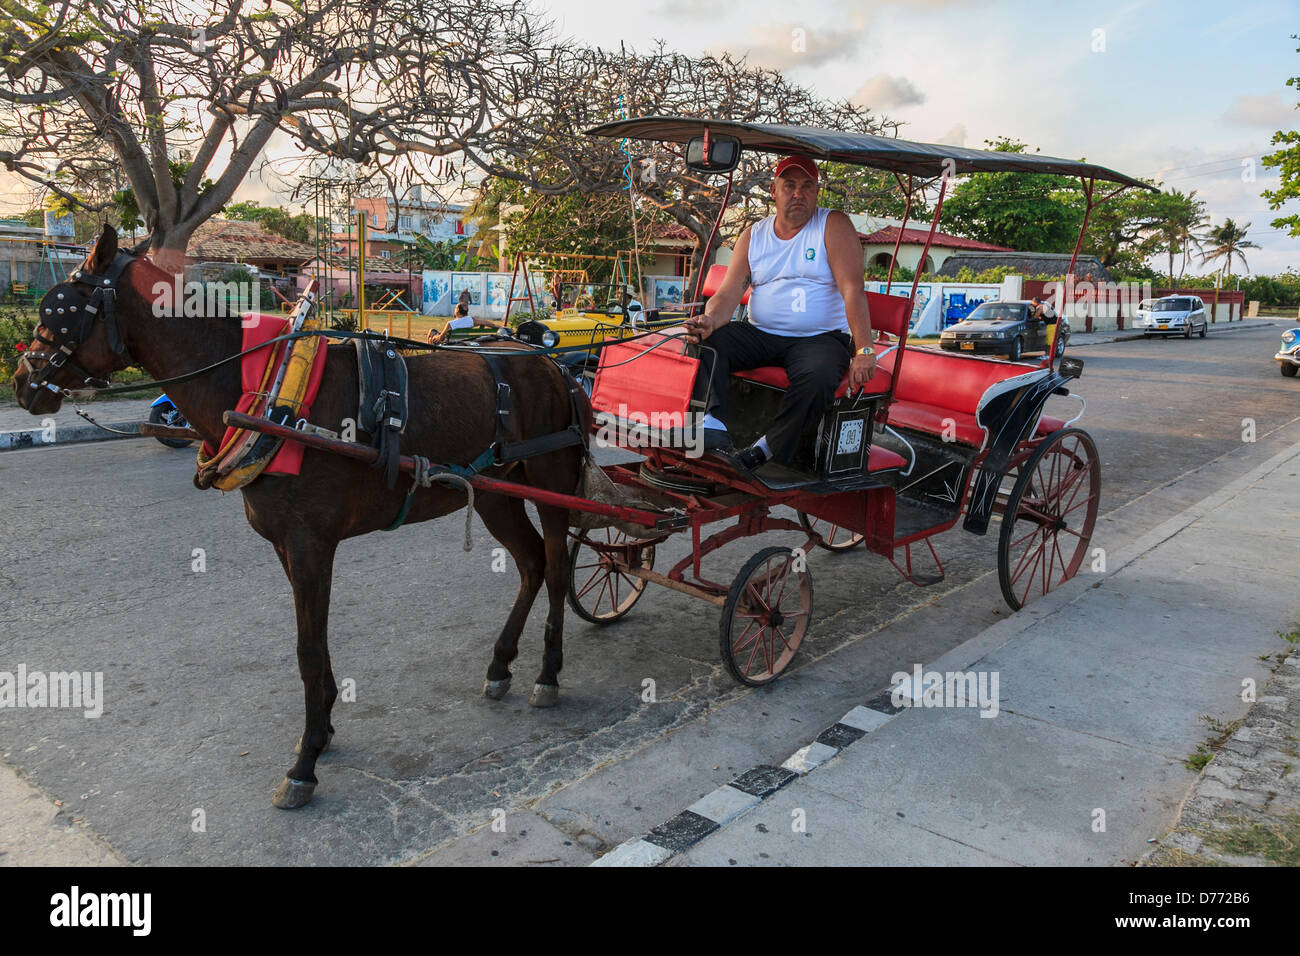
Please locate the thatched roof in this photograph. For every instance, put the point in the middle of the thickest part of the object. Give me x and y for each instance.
(1025, 263)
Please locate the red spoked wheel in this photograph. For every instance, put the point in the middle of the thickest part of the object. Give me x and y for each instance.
(1049, 517)
(834, 538)
(766, 615)
(600, 589)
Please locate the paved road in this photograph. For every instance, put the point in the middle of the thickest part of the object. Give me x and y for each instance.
(203, 702)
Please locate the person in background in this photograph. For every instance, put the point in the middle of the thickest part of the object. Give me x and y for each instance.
(632, 309)
(461, 320)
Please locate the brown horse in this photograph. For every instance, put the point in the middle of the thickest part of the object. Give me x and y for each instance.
(452, 413)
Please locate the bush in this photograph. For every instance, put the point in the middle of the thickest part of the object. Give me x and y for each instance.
(17, 329)
(519, 318)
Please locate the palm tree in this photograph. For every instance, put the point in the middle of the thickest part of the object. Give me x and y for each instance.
(1175, 219)
(1226, 241)
(1192, 230)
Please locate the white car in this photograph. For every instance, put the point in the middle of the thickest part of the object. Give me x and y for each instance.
(1175, 315)
(1142, 313)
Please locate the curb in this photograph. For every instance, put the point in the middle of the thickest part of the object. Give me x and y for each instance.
(733, 800)
(1129, 335)
(65, 435)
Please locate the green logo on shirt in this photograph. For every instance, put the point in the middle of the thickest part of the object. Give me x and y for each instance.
(810, 254)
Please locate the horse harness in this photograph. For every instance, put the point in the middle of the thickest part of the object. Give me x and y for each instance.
(383, 409)
(70, 322)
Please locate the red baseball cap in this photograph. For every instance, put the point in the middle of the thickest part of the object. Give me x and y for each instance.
(796, 162)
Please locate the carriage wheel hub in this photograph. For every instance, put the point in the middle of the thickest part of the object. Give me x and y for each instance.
(776, 619)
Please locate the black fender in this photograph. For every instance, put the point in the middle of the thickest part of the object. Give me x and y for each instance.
(1010, 417)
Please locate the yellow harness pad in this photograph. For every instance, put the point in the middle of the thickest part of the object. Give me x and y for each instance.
(235, 463)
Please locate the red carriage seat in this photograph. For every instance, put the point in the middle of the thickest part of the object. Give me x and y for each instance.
(889, 314)
(940, 393)
(713, 281)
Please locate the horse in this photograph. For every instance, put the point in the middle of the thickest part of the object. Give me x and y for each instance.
(452, 418)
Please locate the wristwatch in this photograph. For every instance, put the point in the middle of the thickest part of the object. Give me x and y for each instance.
(866, 350)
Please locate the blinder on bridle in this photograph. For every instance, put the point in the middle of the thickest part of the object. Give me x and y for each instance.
(69, 312)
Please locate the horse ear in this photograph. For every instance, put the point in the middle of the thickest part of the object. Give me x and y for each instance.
(104, 251)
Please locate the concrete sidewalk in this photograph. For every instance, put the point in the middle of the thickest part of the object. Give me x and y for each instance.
(21, 429)
(1080, 339)
(1106, 688)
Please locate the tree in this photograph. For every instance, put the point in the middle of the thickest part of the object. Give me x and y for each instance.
(119, 90)
(300, 228)
(546, 149)
(1226, 242)
(1173, 217)
(1028, 212)
(1115, 232)
(1287, 160)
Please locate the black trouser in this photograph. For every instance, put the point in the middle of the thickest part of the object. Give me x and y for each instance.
(815, 365)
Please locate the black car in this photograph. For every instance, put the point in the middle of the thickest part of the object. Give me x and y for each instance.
(1006, 328)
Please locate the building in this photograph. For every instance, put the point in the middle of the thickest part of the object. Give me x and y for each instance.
(878, 248)
(31, 261)
(232, 241)
(392, 226)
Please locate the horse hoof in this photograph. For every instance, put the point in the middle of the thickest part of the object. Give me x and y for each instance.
(496, 689)
(292, 794)
(544, 695)
(297, 748)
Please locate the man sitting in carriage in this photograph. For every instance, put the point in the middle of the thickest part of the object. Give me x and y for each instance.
(808, 314)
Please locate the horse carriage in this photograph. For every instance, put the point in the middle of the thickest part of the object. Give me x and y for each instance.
(934, 439)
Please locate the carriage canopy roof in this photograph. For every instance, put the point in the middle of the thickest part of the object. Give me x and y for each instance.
(861, 149)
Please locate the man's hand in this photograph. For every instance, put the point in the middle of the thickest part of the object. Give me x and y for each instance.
(701, 326)
(862, 369)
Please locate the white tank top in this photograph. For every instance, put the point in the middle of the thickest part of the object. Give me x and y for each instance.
(794, 292)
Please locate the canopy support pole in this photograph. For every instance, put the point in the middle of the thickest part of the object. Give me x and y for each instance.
(704, 265)
(907, 210)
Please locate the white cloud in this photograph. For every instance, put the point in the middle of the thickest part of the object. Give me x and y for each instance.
(884, 92)
(1270, 111)
(956, 136)
(785, 45)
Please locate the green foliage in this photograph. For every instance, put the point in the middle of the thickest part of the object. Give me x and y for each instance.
(1028, 212)
(443, 255)
(17, 328)
(582, 223)
(1287, 161)
(857, 189)
(278, 220)
(518, 318)
(1227, 242)
(881, 273)
(128, 208)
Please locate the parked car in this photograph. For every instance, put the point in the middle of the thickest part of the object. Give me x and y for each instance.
(1006, 328)
(1176, 315)
(1288, 356)
(1142, 313)
(589, 314)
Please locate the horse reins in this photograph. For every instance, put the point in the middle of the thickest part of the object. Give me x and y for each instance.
(100, 304)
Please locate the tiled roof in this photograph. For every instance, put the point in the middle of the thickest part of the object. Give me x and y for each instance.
(231, 240)
(374, 264)
(672, 231)
(889, 235)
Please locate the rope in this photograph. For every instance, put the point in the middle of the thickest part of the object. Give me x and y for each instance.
(423, 475)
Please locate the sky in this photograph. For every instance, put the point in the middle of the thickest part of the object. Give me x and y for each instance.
(1188, 92)
(1184, 91)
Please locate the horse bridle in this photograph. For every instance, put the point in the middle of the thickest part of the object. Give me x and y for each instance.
(70, 316)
